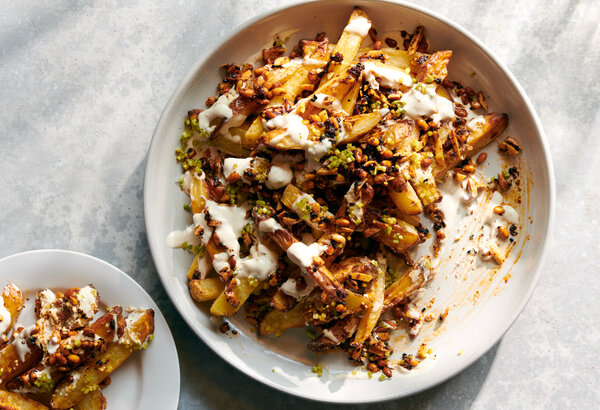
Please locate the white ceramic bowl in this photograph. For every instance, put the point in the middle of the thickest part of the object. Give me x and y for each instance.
(147, 380)
(282, 363)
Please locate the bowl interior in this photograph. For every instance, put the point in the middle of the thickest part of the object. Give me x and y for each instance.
(277, 362)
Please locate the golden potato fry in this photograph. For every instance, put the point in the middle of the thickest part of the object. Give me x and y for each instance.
(14, 401)
(109, 327)
(277, 321)
(407, 201)
(409, 282)
(376, 294)
(11, 363)
(488, 130)
(94, 400)
(13, 301)
(243, 290)
(349, 101)
(87, 378)
(198, 193)
(402, 136)
(399, 237)
(435, 68)
(358, 125)
(203, 290)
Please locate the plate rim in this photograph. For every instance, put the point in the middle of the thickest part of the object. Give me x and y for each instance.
(110, 267)
(549, 170)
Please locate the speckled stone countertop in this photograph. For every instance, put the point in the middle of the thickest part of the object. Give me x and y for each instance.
(82, 85)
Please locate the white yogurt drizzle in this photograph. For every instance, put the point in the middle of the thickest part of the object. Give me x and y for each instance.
(290, 287)
(239, 165)
(303, 255)
(88, 301)
(279, 176)
(359, 25)
(20, 341)
(220, 109)
(326, 102)
(230, 221)
(425, 102)
(377, 75)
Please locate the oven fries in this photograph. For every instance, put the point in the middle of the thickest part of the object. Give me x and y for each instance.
(94, 400)
(86, 378)
(15, 401)
(65, 352)
(346, 144)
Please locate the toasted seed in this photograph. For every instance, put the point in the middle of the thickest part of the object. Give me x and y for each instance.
(379, 179)
(342, 222)
(338, 238)
(498, 210)
(373, 141)
(372, 367)
(469, 168)
(286, 220)
(425, 162)
(511, 146)
(73, 358)
(481, 157)
(481, 100)
(233, 177)
(502, 232)
(387, 371)
(246, 92)
(460, 111)
(502, 182)
(387, 154)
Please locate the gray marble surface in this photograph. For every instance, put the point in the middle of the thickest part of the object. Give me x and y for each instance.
(82, 85)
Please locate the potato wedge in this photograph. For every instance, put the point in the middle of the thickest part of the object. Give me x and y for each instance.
(369, 319)
(399, 237)
(407, 201)
(86, 378)
(109, 327)
(349, 42)
(13, 302)
(402, 136)
(277, 321)
(94, 400)
(349, 101)
(12, 364)
(203, 290)
(487, 130)
(358, 125)
(14, 401)
(408, 283)
(435, 67)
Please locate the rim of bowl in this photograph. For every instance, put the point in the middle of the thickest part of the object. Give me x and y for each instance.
(192, 73)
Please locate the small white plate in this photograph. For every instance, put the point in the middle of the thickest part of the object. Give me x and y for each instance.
(284, 363)
(147, 380)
